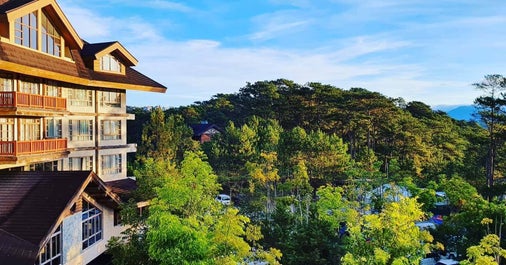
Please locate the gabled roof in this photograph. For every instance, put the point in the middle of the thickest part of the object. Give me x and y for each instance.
(97, 50)
(202, 128)
(16, 59)
(32, 204)
(16, 8)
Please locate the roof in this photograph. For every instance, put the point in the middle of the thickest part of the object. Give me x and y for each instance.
(202, 128)
(79, 71)
(123, 187)
(39, 201)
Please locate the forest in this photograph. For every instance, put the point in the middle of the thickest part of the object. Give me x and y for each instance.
(317, 175)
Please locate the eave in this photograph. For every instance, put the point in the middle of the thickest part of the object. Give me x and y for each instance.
(36, 72)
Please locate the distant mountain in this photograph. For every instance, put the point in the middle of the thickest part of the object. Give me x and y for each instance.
(460, 112)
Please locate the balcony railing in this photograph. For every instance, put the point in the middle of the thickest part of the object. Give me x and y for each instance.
(16, 148)
(19, 99)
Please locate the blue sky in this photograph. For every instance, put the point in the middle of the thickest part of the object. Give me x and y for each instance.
(424, 50)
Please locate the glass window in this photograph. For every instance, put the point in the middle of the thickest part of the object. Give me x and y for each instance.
(29, 129)
(110, 63)
(52, 89)
(53, 128)
(51, 39)
(29, 87)
(111, 164)
(111, 130)
(6, 83)
(51, 253)
(80, 97)
(25, 29)
(81, 163)
(91, 224)
(81, 130)
(110, 99)
(6, 129)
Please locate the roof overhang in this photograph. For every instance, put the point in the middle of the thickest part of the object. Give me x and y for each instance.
(36, 72)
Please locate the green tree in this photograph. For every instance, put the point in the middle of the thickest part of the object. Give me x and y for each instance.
(488, 252)
(389, 237)
(490, 109)
(187, 226)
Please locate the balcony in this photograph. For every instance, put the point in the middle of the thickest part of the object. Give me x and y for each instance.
(25, 100)
(17, 148)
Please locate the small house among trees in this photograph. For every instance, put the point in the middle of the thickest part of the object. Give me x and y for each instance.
(204, 132)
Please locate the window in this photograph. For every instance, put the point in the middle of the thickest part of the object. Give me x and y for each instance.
(46, 166)
(81, 130)
(25, 29)
(52, 89)
(6, 129)
(110, 99)
(111, 130)
(29, 87)
(53, 128)
(110, 63)
(80, 97)
(92, 224)
(50, 254)
(51, 39)
(6, 83)
(81, 163)
(111, 164)
(29, 129)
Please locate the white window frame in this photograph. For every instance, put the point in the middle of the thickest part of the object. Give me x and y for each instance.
(51, 253)
(112, 164)
(81, 130)
(111, 129)
(53, 128)
(80, 97)
(92, 228)
(110, 99)
(110, 63)
(81, 163)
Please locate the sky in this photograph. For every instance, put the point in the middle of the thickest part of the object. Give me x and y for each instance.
(421, 50)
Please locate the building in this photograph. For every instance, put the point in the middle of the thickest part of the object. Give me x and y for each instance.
(62, 108)
(204, 132)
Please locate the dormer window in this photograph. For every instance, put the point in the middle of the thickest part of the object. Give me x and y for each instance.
(109, 63)
(27, 32)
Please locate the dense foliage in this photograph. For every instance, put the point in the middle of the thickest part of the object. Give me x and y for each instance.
(322, 174)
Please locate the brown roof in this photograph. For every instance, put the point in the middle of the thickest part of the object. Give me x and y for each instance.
(122, 187)
(80, 68)
(31, 204)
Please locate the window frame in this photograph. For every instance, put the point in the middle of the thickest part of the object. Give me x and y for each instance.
(52, 251)
(92, 224)
(112, 164)
(110, 130)
(81, 130)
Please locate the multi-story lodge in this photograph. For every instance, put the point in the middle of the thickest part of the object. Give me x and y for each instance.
(63, 141)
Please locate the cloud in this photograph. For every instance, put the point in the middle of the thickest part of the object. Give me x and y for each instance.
(278, 24)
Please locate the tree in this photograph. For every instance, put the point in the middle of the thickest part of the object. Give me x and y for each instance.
(491, 111)
(187, 226)
(389, 237)
(488, 252)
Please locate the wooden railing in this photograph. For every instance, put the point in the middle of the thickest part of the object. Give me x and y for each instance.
(15, 148)
(18, 99)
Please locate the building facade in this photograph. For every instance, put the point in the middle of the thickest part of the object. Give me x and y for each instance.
(63, 108)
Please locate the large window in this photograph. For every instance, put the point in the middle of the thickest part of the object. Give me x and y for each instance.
(29, 129)
(6, 129)
(51, 39)
(110, 63)
(6, 83)
(111, 164)
(53, 128)
(29, 86)
(111, 130)
(81, 130)
(110, 99)
(92, 224)
(51, 254)
(25, 29)
(52, 89)
(81, 163)
(80, 97)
